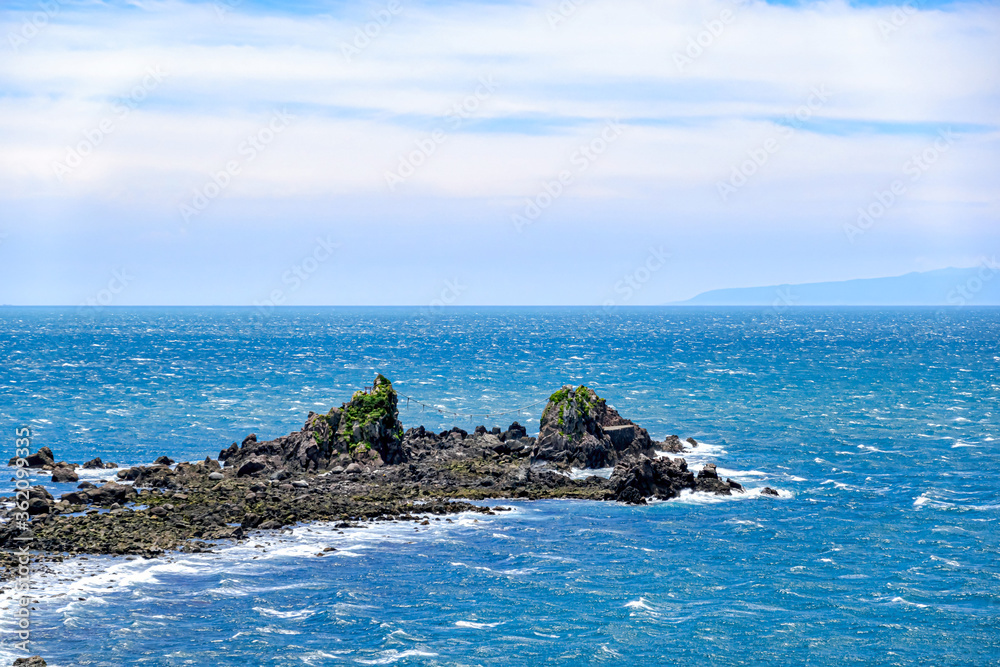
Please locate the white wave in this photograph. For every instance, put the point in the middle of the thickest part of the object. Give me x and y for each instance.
(274, 613)
(952, 563)
(94, 578)
(641, 603)
(276, 631)
(321, 657)
(880, 451)
(476, 626)
(616, 654)
(961, 444)
(689, 497)
(726, 472)
(392, 655)
(899, 600)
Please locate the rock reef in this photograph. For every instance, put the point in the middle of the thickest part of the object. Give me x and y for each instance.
(356, 463)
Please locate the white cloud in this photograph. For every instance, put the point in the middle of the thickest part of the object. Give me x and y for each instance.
(609, 59)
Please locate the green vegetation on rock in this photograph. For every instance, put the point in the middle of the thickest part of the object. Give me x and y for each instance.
(582, 398)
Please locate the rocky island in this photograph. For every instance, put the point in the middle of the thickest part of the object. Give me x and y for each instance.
(355, 463)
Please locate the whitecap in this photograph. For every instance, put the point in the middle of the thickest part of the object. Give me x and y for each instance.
(641, 603)
(300, 613)
(392, 655)
(900, 600)
(476, 626)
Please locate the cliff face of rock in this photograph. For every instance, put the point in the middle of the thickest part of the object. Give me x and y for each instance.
(365, 430)
(579, 429)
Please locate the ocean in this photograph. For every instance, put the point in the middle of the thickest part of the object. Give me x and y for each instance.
(878, 427)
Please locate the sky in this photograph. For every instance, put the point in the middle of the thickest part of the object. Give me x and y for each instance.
(572, 152)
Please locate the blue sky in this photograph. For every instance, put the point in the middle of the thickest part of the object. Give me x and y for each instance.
(472, 153)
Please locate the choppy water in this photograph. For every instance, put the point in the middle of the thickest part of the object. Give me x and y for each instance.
(878, 426)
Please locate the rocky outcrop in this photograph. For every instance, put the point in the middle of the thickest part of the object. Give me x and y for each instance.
(579, 429)
(365, 430)
(63, 474)
(33, 661)
(97, 464)
(638, 479)
(457, 444)
(355, 463)
(108, 494)
(43, 457)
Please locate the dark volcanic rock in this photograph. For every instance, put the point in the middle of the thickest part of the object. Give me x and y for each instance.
(579, 429)
(355, 464)
(251, 467)
(94, 464)
(43, 457)
(672, 445)
(635, 480)
(365, 430)
(64, 474)
(163, 461)
(33, 661)
(110, 493)
(768, 491)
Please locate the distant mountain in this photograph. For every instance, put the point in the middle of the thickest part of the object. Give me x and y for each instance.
(977, 286)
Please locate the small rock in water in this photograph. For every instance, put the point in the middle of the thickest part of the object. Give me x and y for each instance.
(768, 491)
(33, 661)
(163, 461)
(64, 474)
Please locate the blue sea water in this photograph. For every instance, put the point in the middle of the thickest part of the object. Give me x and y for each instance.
(878, 426)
